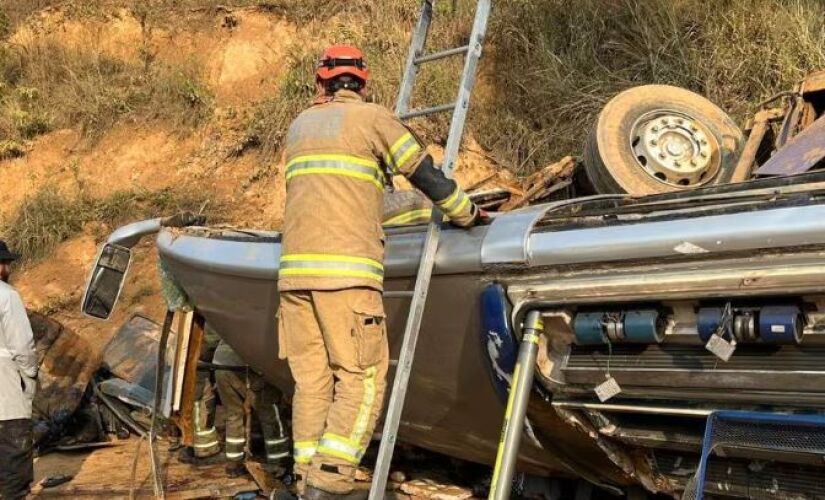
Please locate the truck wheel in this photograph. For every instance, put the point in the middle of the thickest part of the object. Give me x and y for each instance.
(657, 138)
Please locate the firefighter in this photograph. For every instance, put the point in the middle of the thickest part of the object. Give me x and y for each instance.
(340, 154)
(241, 391)
(206, 449)
(18, 372)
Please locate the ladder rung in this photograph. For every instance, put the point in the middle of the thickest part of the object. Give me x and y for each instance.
(416, 113)
(435, 56)
(403, 294)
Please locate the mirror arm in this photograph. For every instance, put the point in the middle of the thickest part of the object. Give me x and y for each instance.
(129, 235)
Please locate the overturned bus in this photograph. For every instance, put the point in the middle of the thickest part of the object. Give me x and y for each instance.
(632, 288)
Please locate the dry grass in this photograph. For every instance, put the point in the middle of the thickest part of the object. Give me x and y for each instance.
(45, 85)
(50, 217)
(552, 64)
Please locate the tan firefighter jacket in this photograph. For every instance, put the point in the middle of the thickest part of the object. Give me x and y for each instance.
(338, 156)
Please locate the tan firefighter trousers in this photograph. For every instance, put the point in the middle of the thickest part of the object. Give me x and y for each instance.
(336, 345)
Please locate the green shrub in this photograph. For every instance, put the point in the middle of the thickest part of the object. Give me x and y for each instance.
(11, 149)
(50, 217)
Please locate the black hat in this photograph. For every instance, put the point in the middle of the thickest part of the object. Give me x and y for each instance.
(6, 254)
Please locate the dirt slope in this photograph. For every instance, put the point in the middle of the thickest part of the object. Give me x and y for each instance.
(240, 51)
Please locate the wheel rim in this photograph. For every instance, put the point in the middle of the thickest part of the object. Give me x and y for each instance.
(675, 149)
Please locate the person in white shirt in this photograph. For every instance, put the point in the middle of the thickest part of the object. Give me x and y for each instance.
(18, 378)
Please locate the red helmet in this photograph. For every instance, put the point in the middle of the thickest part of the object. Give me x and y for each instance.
(342, 60)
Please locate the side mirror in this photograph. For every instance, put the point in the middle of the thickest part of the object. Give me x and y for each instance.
(106, 281)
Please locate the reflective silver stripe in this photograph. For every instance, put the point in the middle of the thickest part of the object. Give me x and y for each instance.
(339, 447)
(276, 441)
(234, 455)
(304, 451)
(455, 203)
(278, 419)
(207, 433)
(401, 152)
(275, 456)
(331, 266)
(365, 170)
(312, 264)
(235, 440)
(207, 445)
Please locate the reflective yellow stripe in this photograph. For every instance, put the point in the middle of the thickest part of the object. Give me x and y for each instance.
(342, 266)
(340, 447)
(320, 257)
(365, 411)
(400, 152)
(332, 164)
(350, 449)
(304, 451)
(400, 142)
(422, 215)
(331, 273)
(333, 157)
(400, 162)
(334, 171)
(455, 203)
(450, 199)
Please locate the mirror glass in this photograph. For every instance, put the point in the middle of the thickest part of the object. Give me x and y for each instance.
(106, 281)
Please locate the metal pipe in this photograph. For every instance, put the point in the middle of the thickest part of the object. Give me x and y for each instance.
(516, 409)
(443, 54)
(650, 410)
(417, 113)
(159, 369)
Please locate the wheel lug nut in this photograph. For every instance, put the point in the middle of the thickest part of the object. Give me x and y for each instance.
(692, 163)
(703, 154)
(680, 121)
(655, 128)
(662, 156)
(653, 142)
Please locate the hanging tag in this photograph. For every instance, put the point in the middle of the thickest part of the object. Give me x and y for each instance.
(607, 389)
(720, 347)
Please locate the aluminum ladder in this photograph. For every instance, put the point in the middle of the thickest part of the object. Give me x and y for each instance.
(417, 57)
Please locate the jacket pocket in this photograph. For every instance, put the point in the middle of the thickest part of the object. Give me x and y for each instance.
(369, 335)
(28, 386)
(283, 341)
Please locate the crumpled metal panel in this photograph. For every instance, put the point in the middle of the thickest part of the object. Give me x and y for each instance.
(133, 352)
(801, 154)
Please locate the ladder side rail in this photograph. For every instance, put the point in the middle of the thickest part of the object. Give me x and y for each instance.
(402, 373)
(468, 80)
(422, 285)
(419, 39)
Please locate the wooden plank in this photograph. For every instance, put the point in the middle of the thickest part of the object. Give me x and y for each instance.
(559, 171)
(107, 473)
(183, 418)
(182, 349)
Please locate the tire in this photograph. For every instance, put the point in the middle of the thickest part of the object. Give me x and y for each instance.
(620, 156)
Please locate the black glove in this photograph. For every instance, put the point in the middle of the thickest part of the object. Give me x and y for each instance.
(183, 219)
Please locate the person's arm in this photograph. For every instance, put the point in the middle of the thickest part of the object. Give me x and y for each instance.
(404, 155)
(18, 336)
